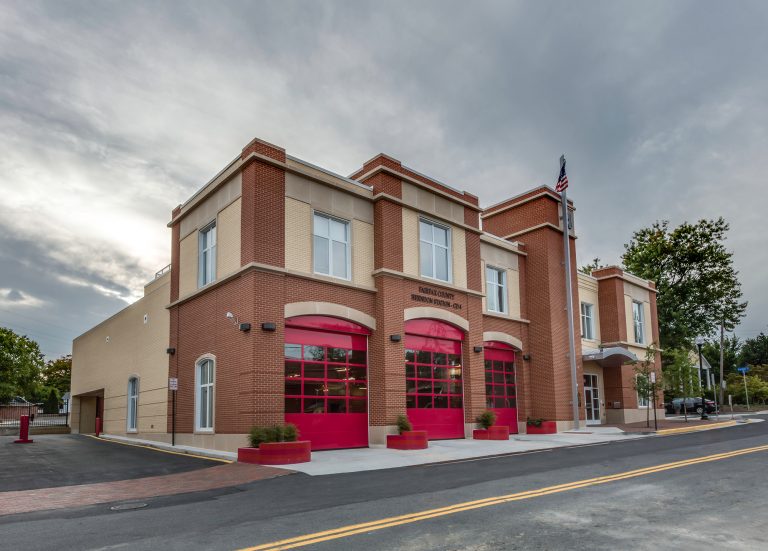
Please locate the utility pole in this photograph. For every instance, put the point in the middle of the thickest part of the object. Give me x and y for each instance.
(722, 360)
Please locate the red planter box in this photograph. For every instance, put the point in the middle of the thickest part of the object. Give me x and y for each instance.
(277, 453)
(409, 440)
(496, 432)
(547, 427)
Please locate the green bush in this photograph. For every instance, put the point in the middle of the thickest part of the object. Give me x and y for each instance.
(273, 433)
(534, 422)
(486, 419)
(403, 424)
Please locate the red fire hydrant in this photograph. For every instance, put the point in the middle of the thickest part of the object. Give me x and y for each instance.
(23, 430)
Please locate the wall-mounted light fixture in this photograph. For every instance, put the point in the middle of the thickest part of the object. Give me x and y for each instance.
(268, 326)
(395, 338)
(478, 349)
(170, 351)
(244, 326)
(526, 357)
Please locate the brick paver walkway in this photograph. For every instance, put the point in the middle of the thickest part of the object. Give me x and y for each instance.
(222, 476)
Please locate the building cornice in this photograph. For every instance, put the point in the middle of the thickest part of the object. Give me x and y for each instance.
(538, 227)
(257, 266)
(548, 192)
(419, 183)
(636, 282)
(495, 241)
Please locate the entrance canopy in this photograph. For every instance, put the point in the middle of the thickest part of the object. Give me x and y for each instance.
(613, 356)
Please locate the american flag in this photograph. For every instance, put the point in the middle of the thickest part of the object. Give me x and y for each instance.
(562, 181)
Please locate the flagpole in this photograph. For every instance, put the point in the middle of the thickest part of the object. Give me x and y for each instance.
(569, 306)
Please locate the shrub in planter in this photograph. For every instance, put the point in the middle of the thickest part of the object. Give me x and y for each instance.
(275, 445)
(486, 419)
(534, 422)
(403, 424)
(539, 426)
(407, 438)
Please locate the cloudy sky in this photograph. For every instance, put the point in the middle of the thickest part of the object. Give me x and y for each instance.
(112, 113)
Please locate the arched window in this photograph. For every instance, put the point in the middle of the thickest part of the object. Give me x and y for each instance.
(204, 392)
(133, 403)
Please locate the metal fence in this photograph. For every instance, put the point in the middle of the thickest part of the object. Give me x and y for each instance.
(11, 413)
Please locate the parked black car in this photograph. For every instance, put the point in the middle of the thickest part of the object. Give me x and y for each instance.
(693, 405)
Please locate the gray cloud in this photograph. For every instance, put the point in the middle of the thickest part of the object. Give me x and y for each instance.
(114, 112)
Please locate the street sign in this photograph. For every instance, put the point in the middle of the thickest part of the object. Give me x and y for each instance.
(173, 383)
(743, 370)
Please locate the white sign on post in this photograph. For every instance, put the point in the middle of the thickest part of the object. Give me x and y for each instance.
(173, 383)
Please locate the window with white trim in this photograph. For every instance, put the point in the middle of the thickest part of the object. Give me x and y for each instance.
(639, 322)
(133, 404)
(207, 255)
(643, 401)
(204, 392)
(435, 250)
(587, 321)
(330, 246)
(496, 289)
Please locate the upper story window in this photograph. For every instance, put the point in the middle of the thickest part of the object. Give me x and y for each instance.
(435, 250)
(496, 289)
(133, 403)
(587, 321)
(204, 392)
(331, 246)
(207, 255)
(638, 322)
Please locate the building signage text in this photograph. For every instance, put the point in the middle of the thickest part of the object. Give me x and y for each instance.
(436, 297)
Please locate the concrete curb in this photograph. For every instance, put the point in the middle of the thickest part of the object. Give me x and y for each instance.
(181, 450)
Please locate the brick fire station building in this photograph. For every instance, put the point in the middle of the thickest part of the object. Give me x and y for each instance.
(338, 303)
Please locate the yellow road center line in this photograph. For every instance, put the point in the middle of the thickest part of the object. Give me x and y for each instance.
(157, 449)
(354, 529)
(696, 428)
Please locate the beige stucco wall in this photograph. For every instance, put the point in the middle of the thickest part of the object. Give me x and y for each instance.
(411, 249)
(432, 203)
(410, 242)
(459, 249)
(303, 196)
(228, 240)
(127, 345)
(298, 235)
(188, 264)
(588, 293)
(362, 253)
(502, 259)
(207, 210)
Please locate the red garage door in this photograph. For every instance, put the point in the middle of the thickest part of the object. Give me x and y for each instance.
(434, 396)
(326, 381)
(500, 389)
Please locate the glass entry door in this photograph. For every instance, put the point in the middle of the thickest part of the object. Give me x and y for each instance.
(592, 399)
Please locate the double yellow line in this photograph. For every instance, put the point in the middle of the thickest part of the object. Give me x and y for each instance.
(696, 428)
(365, 527)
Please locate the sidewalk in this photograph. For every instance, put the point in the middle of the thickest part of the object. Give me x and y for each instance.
(65, 497)
(370, 459)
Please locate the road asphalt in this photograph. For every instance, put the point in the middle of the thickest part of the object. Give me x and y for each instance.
(721, 502)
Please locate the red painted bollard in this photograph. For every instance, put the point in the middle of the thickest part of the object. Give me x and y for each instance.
(98, 426)
(23, 430)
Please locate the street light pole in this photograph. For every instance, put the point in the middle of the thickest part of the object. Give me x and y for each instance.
(699, 344)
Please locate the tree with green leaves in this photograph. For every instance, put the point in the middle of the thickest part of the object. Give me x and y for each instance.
(731, 353)
(20, 364)
(755, 351)
(681, 376)
(58, 374)
(644, 385)
(589, 268)
(698, 287)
